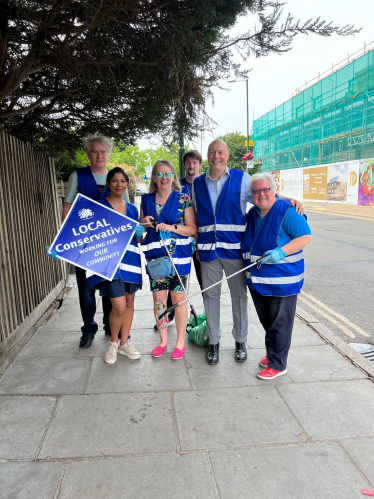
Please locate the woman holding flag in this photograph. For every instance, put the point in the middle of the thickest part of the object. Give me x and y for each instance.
(128, 277)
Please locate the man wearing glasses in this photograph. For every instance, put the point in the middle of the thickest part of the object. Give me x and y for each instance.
(91, 182)
(220, 201)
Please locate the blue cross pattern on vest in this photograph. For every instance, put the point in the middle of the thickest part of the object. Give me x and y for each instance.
(94, 237)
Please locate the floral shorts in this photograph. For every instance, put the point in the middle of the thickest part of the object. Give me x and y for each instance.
(168, 283)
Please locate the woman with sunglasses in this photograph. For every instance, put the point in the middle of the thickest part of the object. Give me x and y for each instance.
(274, 230)
(172, 214)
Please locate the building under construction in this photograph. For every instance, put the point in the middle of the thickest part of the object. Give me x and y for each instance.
(331, 121)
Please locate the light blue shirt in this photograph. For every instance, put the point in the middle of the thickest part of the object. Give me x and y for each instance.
(215, 187)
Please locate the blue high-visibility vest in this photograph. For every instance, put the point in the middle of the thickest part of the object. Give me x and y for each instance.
(284, 278)
(151, 245)
(130, 268)
(87, 184)
(220, 233)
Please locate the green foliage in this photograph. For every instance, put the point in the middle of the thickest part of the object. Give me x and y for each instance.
(204, 166)
(139, 159)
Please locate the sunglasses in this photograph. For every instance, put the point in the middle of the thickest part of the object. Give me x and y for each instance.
(258, 191)
(167, 175)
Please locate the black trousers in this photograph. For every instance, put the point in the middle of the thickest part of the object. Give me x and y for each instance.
(87, 302)
(277, 315)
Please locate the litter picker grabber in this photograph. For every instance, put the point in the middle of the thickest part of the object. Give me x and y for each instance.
(193, 311)
(259, 260)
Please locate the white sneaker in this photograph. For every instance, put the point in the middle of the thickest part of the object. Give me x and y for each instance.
(111, 353)
(129, 351)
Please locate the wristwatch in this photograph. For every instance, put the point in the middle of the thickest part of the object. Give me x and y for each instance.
(175, 227)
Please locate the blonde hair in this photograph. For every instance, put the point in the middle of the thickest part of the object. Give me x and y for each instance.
(175, 186)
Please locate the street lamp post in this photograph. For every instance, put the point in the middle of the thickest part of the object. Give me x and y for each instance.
(246, 83)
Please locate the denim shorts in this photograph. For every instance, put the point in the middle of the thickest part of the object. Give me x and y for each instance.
(117, 288)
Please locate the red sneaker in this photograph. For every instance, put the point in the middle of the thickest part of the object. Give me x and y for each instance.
(264, 361)
(269, 373)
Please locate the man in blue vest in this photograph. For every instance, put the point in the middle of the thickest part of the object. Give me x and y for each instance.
(91, 182)
(220, 201)
(192, 164)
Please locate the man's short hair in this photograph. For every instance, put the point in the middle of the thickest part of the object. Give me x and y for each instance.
(192, 154)
(97, 137)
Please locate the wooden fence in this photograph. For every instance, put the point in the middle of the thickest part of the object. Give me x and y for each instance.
(29, 220)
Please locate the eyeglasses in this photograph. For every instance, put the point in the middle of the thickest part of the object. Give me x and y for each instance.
(258, 191)
(103, 152)
(167, 174)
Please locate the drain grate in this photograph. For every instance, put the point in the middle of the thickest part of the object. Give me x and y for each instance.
(365, 350)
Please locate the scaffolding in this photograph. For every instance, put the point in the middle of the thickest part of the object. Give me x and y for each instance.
(331, 121)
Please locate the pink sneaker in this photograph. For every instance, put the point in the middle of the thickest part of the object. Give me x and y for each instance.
(158, 351)
(264, 361)
(177, 353)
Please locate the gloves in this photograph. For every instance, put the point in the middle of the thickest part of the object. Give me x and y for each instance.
(139, 231)
(165, 235)
(193, 246)
(52, 254)
(274, 255)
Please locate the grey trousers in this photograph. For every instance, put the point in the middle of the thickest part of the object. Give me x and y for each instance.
(212, 272)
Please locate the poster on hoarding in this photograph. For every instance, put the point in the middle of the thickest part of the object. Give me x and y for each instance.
(315, 183)
(291, 183)
(94, 237)
(342, 182)
(366, 182)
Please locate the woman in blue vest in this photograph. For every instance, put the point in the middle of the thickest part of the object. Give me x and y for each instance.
(274, 229)
(174, 215)
(128, 277)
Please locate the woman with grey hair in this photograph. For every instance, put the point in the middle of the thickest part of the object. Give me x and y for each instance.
(174, 217)
(276, 231)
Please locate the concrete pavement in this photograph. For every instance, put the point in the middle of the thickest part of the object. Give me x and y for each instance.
(73, 427)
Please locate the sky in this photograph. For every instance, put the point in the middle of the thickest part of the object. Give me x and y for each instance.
(274, 78)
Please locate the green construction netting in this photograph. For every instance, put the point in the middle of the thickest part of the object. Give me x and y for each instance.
(329, 122)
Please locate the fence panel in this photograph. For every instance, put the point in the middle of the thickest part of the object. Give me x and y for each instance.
(29, 220)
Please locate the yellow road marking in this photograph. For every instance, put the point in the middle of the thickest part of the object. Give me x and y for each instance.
(339, 316)
(329, 318)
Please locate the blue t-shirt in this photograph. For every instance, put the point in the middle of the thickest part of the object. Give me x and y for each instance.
(294, 225)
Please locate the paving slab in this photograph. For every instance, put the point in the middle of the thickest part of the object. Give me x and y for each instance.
(287, 472)
(110, 425)
(29, 480)
(332, 410)
(302, 335)
(227, 373)
(46, 376)
(48, 344)
(224, 418)
(142, 375)
(69, 321)
(320, 363)
(23, 421)
(361, 451)
(186, 476)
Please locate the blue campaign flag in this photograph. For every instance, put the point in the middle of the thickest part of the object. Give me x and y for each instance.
(94, 237)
